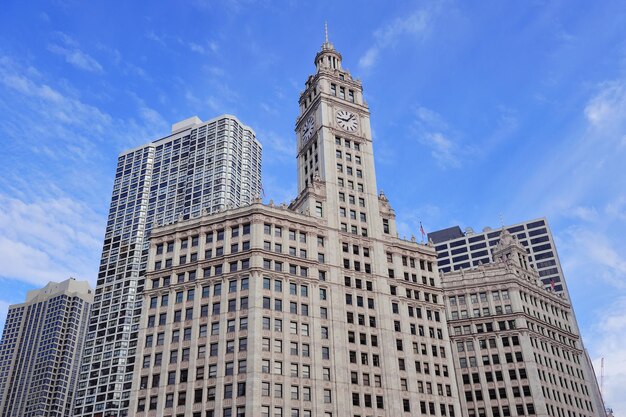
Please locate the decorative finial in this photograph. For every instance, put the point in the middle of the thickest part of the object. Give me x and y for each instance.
(326, 30)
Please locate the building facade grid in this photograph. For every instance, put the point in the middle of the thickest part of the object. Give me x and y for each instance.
(40, 350)
(311, 309)
(201, 167)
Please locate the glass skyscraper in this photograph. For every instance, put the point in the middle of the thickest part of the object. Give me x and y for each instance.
(463, 250)
(201, 167)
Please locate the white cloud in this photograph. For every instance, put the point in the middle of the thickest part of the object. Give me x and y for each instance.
(48, 239)
(369, 58)
(214, 71)
(202, 48)
(231, 6)
(427, 215)
(608, 107)
(46, 235)
(196, 48)
(589, 169)
(608, 341)
(596, 247)
(587, 200)
(64, 109)
(432, 131)
(62, 123)
(431, 118)
(77, 58)
(442, 149)
(276, 147)
(416, 24)
(594, 261)
(73, 55)
(617, 208)
(268, 108)
(151, 116)
(215, 104)
(583, 213)
(208, 47)
(156, 38)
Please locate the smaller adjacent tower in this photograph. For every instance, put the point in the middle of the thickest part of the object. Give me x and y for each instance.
(461, 250)
(516, 347)
(40, 350)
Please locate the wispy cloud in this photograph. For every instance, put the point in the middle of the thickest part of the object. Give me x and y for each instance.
(207, 47)
(48, 227)
(68, 48)
(416, 25)
(48, 239)
(60, 116)
(592, 154)
(608, 108)
(66, 109)
(582, 213)
(592, 249)
(409, 220)
(442, 148)
(117, 59)
(231, 6)
(270, 109)
(276, 147)
(449, 147)
(609, 339)
(199, 47)
(214, 71)
(592, 244)
(617, 208)
(153, 36)
(432, 131)
(57, 115)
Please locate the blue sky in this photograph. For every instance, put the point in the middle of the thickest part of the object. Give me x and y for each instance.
(480, 110)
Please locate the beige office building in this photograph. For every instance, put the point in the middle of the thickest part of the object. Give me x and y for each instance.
(40, 350)
(516, 345)
(311, 309)
(200, 166)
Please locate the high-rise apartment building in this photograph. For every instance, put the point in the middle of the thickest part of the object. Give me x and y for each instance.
(40, 350)
(457, 249)
(316, 309)
(201, 167)
(516, 346)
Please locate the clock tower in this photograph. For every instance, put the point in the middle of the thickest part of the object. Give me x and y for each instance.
(336, 174)
(366, 322)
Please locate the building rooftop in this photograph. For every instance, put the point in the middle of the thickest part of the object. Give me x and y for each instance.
(444, 235)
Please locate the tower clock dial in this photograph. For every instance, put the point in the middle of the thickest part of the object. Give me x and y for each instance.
(307, 129)
(346, 120)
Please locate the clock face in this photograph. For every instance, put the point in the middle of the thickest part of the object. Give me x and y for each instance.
(346, 120)
(307, 129)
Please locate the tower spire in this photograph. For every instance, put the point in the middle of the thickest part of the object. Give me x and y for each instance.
(326, 30)
(328, 57)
